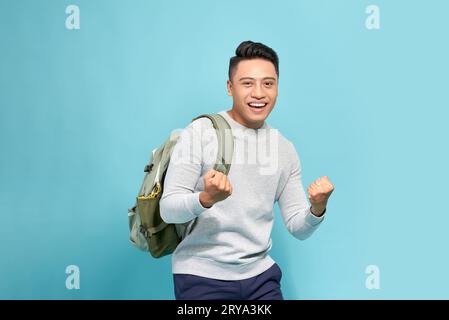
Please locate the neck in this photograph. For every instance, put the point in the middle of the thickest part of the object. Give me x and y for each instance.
(234, 115)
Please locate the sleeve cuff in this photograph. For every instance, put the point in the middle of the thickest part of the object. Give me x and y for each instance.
(313, 219)
(197, 207)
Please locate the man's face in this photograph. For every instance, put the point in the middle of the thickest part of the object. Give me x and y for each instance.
(254, 89)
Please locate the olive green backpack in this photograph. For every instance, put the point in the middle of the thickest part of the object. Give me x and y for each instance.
(148, 231)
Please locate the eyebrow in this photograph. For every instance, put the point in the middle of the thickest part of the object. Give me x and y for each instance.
(249, 78)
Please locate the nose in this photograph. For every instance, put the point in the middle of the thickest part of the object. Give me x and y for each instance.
(258, 91)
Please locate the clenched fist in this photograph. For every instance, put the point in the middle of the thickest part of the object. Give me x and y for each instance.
(319, 192)
(216, 188)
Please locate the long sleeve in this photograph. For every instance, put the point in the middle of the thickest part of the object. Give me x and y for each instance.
(295, 210)
(179, 202)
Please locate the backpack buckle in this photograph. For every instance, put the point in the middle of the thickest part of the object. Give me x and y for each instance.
(144, 231)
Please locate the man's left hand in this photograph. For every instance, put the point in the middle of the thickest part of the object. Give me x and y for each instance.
(319, 192)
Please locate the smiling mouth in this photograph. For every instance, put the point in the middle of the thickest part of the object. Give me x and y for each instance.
(257, 105)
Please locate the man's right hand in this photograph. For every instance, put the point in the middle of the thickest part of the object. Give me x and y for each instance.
(216, 188)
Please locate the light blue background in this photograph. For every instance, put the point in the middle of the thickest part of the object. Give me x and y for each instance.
(368, 108)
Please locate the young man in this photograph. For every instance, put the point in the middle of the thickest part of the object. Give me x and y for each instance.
(228, 219)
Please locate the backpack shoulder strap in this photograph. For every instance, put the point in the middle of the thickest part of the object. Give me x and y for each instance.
(225, 141)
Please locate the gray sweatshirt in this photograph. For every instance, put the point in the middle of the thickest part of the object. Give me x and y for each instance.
(231, 240)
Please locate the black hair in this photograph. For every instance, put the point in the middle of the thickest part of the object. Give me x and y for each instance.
(251, 50)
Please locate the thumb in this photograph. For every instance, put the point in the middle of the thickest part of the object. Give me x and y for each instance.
(210, 174)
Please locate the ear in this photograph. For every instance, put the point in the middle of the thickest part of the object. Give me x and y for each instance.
(229, 86)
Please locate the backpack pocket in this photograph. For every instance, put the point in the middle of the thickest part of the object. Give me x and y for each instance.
(162, 238)
(136, 237)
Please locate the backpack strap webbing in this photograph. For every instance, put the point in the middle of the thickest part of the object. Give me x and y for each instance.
(225, 141)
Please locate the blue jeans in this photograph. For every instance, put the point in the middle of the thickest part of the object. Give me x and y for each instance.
(265, 286)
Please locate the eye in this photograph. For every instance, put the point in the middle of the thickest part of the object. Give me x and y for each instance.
(246, 83)
(268, 84)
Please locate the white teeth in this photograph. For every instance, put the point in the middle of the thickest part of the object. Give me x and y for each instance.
(257, 104)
